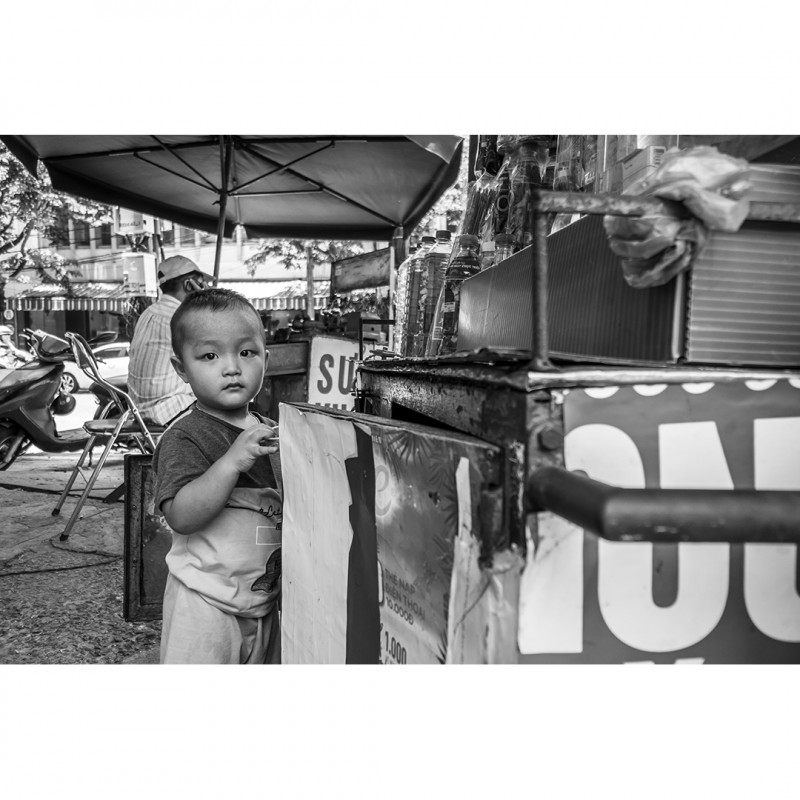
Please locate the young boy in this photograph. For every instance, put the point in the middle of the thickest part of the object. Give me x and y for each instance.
(217, 482)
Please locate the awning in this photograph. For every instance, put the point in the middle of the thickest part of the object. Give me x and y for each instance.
(280, 295)
(112, 297)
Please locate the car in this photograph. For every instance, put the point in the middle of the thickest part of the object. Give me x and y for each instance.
(112, 359)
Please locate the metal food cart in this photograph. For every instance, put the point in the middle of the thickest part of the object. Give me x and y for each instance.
(506, 506)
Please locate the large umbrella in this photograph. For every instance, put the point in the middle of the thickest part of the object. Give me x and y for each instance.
(298, 187)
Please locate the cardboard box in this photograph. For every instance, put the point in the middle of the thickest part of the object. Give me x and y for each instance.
(659, 141)
(641, 164)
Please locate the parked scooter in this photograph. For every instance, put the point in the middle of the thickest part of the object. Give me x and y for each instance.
(30, 395)
(107, 407)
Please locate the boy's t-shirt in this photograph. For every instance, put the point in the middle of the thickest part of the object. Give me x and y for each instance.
(234, 562)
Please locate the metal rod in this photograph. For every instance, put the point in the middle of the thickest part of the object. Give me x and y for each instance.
(207, 186)
(540, 356)
(635, 206)
(128, 151)
(236, 205)
(225, 145)
(310, 281)
(325, 189)
(274, 193)
(183, 161)
(666, 515)
(281, 168)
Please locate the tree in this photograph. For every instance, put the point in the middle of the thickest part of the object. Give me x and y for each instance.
(294, 253)
(27, 204)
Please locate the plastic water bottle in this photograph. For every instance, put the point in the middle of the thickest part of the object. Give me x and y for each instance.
(435, 266)
(415, 314)
(444, 331)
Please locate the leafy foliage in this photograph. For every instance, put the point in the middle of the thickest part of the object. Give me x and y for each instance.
(294, 253)
(29, 204)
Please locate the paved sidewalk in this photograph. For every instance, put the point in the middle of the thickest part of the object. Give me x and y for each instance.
(29, 491)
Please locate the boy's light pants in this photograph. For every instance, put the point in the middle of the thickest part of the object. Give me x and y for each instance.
(195, 632)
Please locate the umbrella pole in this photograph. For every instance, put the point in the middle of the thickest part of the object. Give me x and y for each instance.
(225, 145)
(309, 282)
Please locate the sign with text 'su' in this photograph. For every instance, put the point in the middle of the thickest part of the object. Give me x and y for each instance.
(584, 599)
(332, 371)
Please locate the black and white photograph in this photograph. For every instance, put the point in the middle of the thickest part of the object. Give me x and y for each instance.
(515, 414)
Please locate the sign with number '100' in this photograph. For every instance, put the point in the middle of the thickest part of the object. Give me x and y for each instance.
(584, 599)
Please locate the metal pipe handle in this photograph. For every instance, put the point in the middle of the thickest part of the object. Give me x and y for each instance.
(666, 515)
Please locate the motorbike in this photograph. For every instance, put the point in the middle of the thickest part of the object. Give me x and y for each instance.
(31, 394)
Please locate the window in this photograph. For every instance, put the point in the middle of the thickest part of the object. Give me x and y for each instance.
(103, 235)
(81, 233)
(187, 236)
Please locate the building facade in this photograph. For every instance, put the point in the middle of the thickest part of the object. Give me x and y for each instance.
(115, 276)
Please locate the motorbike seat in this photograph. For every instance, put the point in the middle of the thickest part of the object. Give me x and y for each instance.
(13, 378)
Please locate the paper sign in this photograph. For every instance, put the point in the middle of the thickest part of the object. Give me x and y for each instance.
(584, 599)
(372, 510)
(332, 372)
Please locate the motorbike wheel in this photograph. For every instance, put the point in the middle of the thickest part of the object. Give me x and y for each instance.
(7, 438)
(68, 383)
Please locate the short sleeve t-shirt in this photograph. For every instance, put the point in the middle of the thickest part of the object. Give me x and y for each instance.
(234, 561)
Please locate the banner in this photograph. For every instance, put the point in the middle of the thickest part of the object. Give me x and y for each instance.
(584, 599)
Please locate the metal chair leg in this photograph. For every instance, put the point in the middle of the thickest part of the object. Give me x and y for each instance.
(73, 475)
(92, 478)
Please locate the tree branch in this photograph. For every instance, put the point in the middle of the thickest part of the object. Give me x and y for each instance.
(22, 236)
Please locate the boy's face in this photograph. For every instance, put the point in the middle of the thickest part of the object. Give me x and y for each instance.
(223, 359)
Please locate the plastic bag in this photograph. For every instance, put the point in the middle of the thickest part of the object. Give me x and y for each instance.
(480, 199)
(712, 186)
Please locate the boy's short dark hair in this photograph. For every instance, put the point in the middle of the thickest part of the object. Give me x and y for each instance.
(208, 300)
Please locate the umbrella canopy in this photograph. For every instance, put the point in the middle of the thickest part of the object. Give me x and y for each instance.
(299, 187)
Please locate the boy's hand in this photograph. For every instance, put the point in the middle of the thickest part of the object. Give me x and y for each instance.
(252, 443)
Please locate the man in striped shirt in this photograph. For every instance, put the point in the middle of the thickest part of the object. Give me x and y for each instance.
(152, 381)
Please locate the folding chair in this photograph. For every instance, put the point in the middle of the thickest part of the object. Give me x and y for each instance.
(129, 428)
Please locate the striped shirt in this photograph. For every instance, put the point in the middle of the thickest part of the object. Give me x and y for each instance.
(152, 381)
